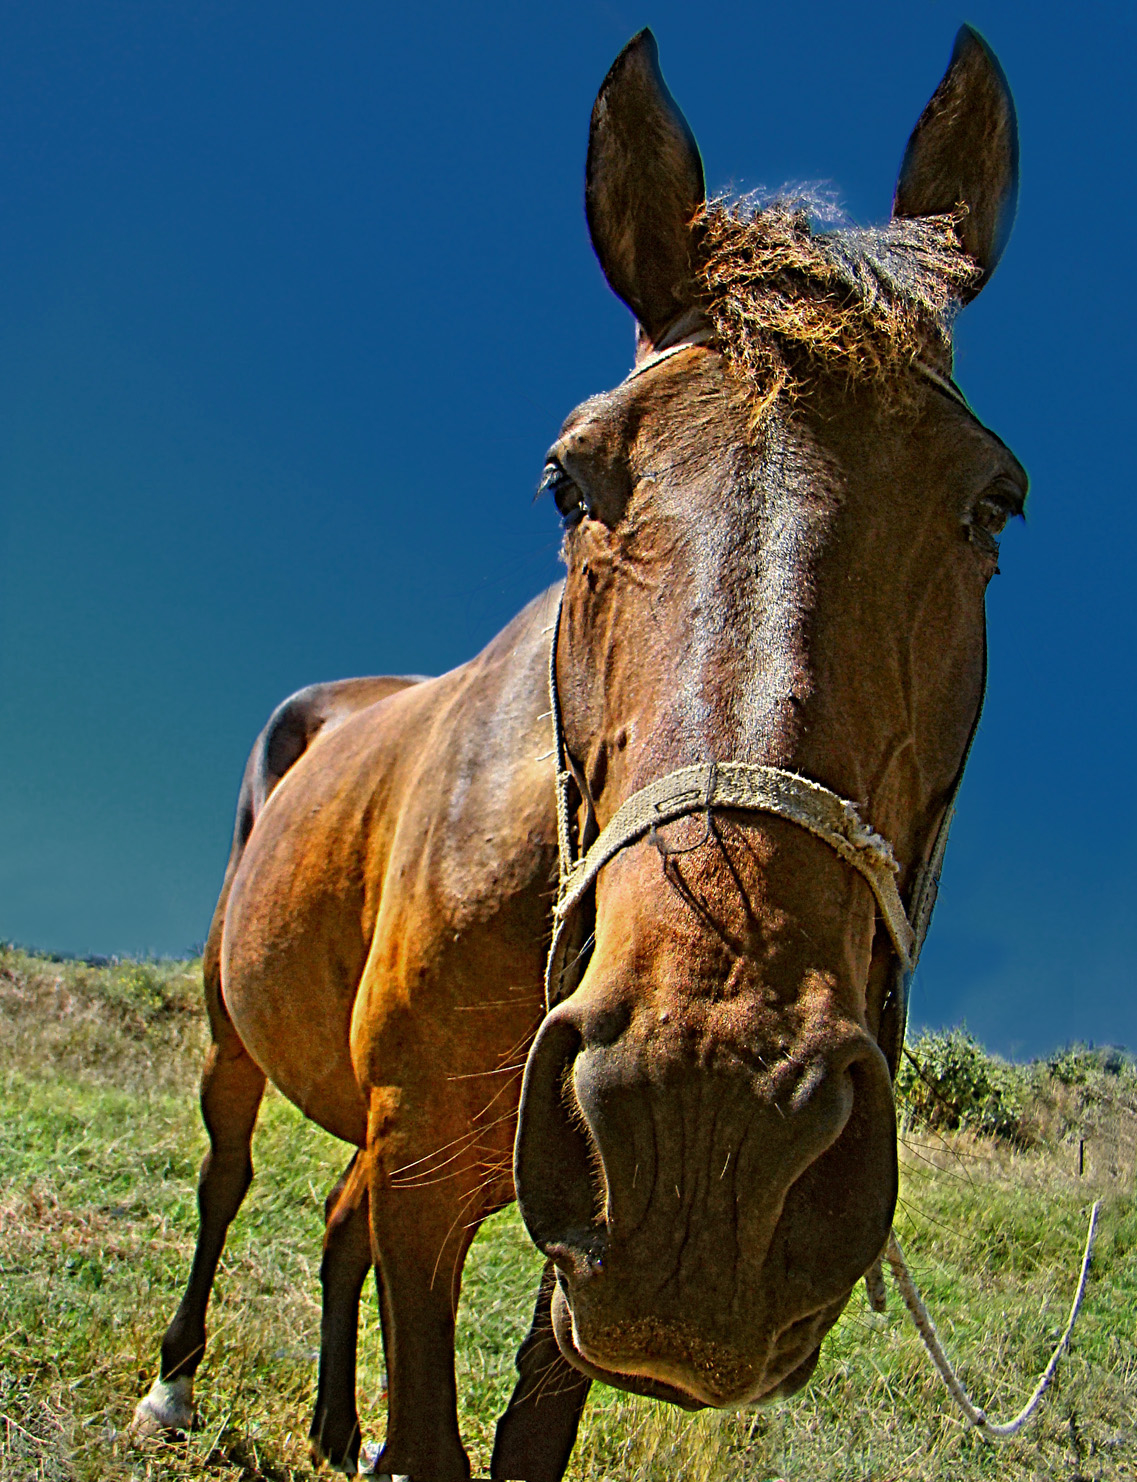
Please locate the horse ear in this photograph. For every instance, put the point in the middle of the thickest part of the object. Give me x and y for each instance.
(643, 184)
(964, 151)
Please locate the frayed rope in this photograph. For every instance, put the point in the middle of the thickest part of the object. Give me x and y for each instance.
(988, 1429)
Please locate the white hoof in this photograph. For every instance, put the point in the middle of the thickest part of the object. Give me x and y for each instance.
(168, 1407)
(368, 1456)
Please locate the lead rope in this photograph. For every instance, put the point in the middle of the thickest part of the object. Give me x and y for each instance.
(988, 1429)
(923, 903)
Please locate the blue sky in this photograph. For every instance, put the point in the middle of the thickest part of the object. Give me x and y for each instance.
(294, 297)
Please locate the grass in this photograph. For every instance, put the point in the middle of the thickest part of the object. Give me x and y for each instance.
(99, 1146)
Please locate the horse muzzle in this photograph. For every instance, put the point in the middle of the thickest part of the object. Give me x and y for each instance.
(708, 1220)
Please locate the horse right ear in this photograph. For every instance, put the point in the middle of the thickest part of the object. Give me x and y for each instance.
(643, 184)
(964, 151)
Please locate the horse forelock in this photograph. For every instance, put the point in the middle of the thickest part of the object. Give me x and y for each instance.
(788, 301)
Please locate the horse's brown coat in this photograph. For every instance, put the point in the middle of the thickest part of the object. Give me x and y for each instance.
(706, 1149)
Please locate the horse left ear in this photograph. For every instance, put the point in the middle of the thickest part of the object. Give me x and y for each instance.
(643, 184)
(964, 151)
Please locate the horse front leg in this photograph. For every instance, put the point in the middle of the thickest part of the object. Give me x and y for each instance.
(535, 1436)
(421, 1231)
(231, 1089)
(334, 1437)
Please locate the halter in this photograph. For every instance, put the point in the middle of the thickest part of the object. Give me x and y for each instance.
(837, 822)
(747, 787)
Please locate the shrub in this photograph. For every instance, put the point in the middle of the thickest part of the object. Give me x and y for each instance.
(1083, 1065)
(948, 1081)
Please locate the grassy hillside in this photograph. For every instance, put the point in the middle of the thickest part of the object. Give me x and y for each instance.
(99, 1146)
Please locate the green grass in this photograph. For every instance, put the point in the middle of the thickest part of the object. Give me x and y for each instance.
(99, 1146)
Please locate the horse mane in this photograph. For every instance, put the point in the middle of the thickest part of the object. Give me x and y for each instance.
(788, 300)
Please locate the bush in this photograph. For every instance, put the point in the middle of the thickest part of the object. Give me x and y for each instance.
(117, 1019)
(142, 989)
(1082, 1065)
(948, 1081)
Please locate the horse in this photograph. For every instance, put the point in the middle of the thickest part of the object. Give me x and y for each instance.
(617, 918)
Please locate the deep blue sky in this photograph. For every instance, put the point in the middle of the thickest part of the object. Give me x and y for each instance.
(293, 298)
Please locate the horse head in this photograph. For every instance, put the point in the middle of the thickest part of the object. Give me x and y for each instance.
(779, 531)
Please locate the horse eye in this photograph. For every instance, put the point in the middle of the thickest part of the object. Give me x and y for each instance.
(991, 514)
(570, 501)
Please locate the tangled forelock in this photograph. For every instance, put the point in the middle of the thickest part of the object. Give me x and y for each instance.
(788, 301)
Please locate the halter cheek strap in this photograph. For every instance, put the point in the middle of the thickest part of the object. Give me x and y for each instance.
(691, 329)
(944, 384)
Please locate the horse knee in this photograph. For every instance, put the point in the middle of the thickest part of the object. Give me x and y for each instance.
(232, 1087)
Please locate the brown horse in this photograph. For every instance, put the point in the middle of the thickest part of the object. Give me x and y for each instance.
(779, 531)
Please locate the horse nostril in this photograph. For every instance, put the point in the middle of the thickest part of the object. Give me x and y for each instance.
(580, 1254)
(605, 1026)
(553, 1158)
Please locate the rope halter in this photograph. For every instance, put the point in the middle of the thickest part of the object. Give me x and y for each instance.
(748, 787)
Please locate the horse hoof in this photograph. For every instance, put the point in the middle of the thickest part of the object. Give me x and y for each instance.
(168, 1407)
(368, 1456)
(337, 1456)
